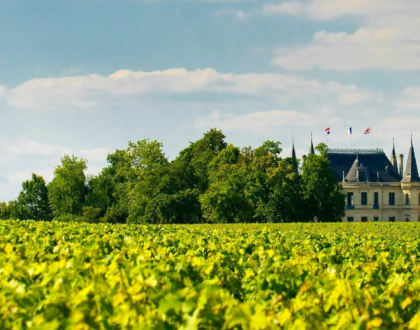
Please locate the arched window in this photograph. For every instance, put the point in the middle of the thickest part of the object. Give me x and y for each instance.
(407, 199)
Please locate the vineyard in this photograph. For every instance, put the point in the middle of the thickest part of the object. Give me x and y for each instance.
(296, 276)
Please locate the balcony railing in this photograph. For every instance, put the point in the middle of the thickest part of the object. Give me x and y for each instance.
(376, 207)
(350, 207)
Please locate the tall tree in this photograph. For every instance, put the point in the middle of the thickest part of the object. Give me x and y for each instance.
(322, 195)
(226, 200)
(284, 196)
(32, 202)
(67, 191)
(4, 211)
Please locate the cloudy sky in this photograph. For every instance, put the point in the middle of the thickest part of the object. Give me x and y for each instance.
(84, 77)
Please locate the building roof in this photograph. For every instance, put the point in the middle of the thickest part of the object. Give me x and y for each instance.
(293, 151)
(411, 172)
(311, 148)
(373, 160)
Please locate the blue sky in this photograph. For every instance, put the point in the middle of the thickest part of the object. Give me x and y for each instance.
(84, 77)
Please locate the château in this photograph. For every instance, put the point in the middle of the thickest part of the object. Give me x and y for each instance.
(376, 188)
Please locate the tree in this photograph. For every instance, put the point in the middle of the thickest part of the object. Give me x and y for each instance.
(67, 191)
(226, 200)
(284, 193)
(32, 202)
(4, 211)
(322, 195)
(192, 162)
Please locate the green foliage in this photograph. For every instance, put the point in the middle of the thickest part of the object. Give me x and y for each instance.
(67, 191)
(58, 275)
(91, 214)
(32, 202)
(284, 203)
(323, 197)
(210, 181)
(4, 211)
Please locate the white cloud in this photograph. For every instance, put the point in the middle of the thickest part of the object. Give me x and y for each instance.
(28, 147)
(94, 91)
(98, 154)
(350, 98)
(387, 38)
(259, 121)
(408, 100)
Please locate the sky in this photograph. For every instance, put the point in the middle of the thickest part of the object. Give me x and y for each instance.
(84, 77)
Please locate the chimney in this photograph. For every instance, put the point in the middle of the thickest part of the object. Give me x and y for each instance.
(401, 161)
(394, 161)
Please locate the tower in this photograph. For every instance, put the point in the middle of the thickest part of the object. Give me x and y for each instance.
(311, 148)
(411, 172)
(293, 150)
(394, 157)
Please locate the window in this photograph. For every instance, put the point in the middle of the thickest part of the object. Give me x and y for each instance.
(376, 199)
(391, 219)
(350, 199)
(407, 199)
(375, 219)
(391, 198)
(350, 219)
(419, 199)
(364, 198)
(364, 219)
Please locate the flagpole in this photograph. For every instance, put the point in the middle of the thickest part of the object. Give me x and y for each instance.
(371, 146)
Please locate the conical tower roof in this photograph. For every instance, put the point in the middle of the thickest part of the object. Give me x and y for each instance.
(411, 172)
(311, 148)
(293, 150)
(393, 149)
(394, 161)
(352, 175)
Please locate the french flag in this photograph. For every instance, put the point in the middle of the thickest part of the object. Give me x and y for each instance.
(350, 131)
(327, 131)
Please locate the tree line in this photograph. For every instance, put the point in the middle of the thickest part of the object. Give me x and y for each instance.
(210, 181)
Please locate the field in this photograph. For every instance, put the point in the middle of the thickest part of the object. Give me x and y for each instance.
(295, 276)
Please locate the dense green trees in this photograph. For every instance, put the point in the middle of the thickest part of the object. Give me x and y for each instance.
(32, 202)
(210, 181)
(67, 191)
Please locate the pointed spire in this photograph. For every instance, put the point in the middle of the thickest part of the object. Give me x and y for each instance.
(311, 148)
(352, 174)
(411, 172)
(293, 149)
(394, 162)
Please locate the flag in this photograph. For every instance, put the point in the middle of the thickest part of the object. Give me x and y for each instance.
(327, 130)
(350, 130)
(368, 130)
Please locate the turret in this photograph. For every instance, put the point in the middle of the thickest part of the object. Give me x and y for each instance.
(411, 172)
(311, 148)
(303, 159)
(293, 150)
(394, 157)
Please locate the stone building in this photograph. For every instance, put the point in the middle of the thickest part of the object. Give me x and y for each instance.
(376, 188)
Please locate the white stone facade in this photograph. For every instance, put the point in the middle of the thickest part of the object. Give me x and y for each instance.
(406, 206)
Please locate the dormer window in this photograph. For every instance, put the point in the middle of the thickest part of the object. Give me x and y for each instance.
(362, 174)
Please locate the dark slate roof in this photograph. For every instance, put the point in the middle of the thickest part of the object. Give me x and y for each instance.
(411, 172)
(374, 162)
(293, 151)
(311, 148)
